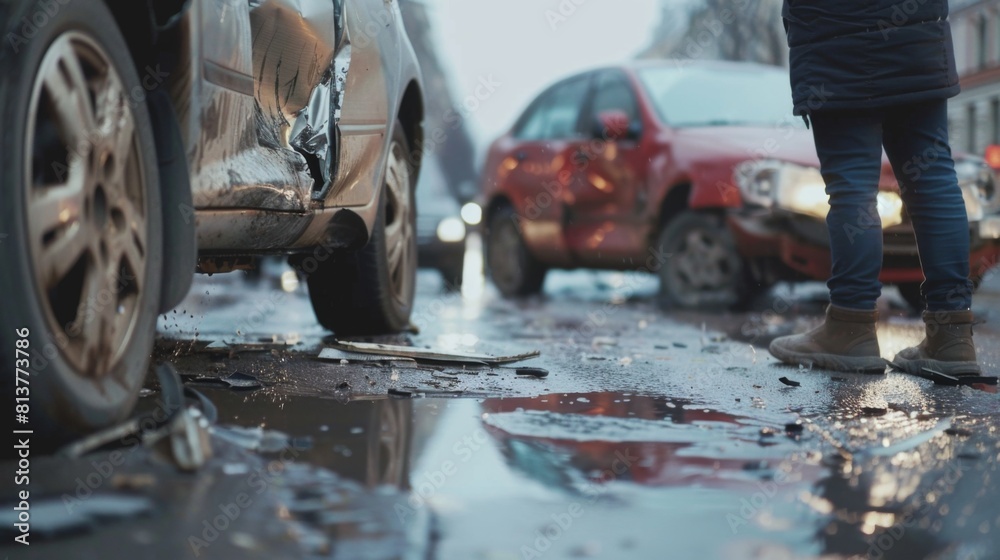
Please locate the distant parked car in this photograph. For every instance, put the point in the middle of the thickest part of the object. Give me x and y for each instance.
(146, 140)
(694, 170)
(441, 231)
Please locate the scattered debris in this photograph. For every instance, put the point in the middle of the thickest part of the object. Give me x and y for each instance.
(532, 372)
(680, 345)
(959, 432)
(429, 355)
(242, 381)
(794, 428)
(343, 357)
(51, 517)
(789, 382)
(122, 481)
(940, 378)
(344, 386)
(758, 386)
(223, 347)
(873, 411)
(604, 341)
(190, 446)
(254, 439)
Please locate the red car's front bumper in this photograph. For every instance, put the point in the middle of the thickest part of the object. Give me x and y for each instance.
(757, 238)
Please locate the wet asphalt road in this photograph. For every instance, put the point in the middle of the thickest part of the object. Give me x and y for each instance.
(654, 436)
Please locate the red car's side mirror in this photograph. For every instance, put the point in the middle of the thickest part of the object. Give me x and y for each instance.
(616, 125)
(993, 156)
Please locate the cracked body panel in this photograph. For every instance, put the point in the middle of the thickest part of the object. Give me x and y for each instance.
(286, 117)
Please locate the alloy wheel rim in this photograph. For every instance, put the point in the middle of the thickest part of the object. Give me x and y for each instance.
(703, 265)
(400, 230)
(85, 199)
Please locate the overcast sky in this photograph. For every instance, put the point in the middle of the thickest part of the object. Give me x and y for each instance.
(526, 44)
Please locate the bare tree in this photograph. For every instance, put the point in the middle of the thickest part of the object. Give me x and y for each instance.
(747, 30)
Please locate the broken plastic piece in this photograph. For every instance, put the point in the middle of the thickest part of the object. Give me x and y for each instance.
(422, 354)
(338, 355)
(189, 442)
(242, 381)
(789, 382)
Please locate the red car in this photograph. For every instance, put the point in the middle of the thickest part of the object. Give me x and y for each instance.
(696, 171)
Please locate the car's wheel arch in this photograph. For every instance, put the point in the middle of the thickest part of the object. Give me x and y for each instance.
(410, 114)
(142, 25)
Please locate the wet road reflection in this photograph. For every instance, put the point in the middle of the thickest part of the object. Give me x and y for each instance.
(366, 440)
(607, 475)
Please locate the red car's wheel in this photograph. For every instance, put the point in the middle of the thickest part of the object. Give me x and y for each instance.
(514, 271)
(704, 270)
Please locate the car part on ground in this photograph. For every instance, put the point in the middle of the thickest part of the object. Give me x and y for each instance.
(83, 190)
(372, 290)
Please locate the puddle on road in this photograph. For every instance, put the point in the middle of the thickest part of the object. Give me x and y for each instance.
(599, 475)
(608, 475)
(365, 441)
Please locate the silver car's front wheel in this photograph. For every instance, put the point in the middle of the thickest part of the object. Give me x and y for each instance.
(372, 291)
(81, 199)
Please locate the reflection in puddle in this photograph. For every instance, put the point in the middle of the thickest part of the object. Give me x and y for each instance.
(647, 440)
(365, 441)
(611, 476)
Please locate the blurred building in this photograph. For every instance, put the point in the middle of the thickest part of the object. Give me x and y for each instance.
(975, 113)
(446, 137)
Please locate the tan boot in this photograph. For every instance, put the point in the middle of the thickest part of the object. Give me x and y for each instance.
(946, 348)
(846, 341)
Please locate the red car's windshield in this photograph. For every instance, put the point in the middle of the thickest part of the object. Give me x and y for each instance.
(693, 96)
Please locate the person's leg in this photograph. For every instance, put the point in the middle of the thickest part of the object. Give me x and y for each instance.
(916, 141)
(849, 145)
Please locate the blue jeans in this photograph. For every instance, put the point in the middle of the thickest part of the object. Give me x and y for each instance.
(915, 138)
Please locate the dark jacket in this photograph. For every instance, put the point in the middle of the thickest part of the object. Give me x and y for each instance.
(857, 54)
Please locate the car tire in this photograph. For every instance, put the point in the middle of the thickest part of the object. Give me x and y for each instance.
(703, 269)
(452, 276)
(514, 271)
(371, 291)
(79, 210)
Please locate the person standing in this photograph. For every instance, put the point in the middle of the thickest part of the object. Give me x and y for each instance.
(868, 75)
